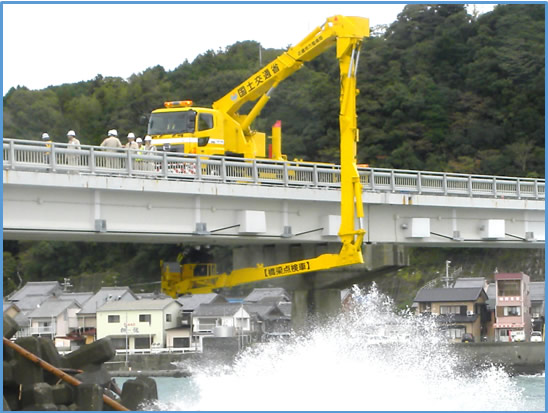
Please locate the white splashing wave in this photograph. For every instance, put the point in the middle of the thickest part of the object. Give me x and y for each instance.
(372, 357)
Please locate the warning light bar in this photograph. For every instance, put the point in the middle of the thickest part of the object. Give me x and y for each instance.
(178, 104)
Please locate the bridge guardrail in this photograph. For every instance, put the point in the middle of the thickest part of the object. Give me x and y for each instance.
(65, 158)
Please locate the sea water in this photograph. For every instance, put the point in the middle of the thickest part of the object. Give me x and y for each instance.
(370, 358)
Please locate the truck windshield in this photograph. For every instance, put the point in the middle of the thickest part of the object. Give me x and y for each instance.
(171, 123)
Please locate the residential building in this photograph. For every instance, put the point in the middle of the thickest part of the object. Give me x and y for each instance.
(222, 320)
(32, 294)
(87, 315)
(54, 318)
(268, 321)
(536, 294)
(457, 310)
(267, 295)
(137, 324)
(513, 304)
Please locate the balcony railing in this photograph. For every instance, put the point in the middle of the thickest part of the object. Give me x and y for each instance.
(21, 155)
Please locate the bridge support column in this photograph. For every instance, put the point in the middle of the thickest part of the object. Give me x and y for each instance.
(314, 306)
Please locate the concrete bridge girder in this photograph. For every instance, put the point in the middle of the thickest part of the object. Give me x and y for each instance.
(101, 208)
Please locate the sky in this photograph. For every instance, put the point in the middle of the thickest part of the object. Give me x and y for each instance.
(52, 44)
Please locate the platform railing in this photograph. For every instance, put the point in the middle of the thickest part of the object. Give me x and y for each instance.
(24, 155)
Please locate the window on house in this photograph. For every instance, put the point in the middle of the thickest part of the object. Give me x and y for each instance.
(509, 288)
(455, 332)
(113, 318)
(168, 318)
(144, 318)
(512, 311)
(452, 309)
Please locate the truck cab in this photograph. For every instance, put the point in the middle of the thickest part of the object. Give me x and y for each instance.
(181, 127)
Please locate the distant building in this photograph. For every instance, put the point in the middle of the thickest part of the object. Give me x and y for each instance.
(222, 320)
(267, 295)
(512, 305)
(137, 324)
(87, 316)
(457, 310)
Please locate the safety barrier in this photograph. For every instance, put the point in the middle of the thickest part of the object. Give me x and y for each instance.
(84, 159)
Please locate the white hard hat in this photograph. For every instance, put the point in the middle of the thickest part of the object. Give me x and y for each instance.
(148, 138)
(113, 132)
(138, 140)
(45, 136)
(71, 133)
(131, 135)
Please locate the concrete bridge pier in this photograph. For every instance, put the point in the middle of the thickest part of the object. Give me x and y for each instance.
(314, 306)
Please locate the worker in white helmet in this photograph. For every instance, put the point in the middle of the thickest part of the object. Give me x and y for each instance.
(112, 143)
(148, 144)
(71, 135)
(47, 140)
(139, 141)
(131, 144)
(73, 143)
(150, 166)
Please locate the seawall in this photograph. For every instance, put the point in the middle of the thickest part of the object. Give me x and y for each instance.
(516, 358)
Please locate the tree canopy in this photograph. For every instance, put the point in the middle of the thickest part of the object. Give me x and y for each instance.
(440, 90)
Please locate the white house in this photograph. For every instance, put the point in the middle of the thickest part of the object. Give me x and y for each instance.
(221, 320)
(139, 324)
(53, 318)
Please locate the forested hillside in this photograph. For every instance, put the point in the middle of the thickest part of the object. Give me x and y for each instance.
(440, 90)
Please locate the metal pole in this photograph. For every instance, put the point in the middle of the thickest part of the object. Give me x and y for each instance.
(59, 373)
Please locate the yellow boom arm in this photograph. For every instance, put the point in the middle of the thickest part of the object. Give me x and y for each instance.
(347, 33)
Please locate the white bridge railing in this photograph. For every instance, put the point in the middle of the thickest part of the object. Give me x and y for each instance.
(95, 160)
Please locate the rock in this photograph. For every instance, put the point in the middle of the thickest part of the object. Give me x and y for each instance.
(25, 371)
(37, 394)
(89, 396)
(97, 352)
(10, 326)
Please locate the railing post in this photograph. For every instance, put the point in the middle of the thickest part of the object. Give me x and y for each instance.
(92, 160)
(470, 186)
(419, 182)
(372, 179)
(129, 164)
(315, 179)
(518, 189)
(444, 184)
(494, 186)
(536, 188)
(223, 169)
(392, 181)
(286, 175)
(198, 168)
(12, 154)
(164, 164)
(53, 159)
(255, 172)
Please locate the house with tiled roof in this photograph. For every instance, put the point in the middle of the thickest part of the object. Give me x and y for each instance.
(54, 318)
(267, 321)
(137, 324)
(34, 293)
(457, 310)
(267, 295)
(87, 315)
(222, 320)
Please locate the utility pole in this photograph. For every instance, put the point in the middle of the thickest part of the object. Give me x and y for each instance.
(446, 279)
